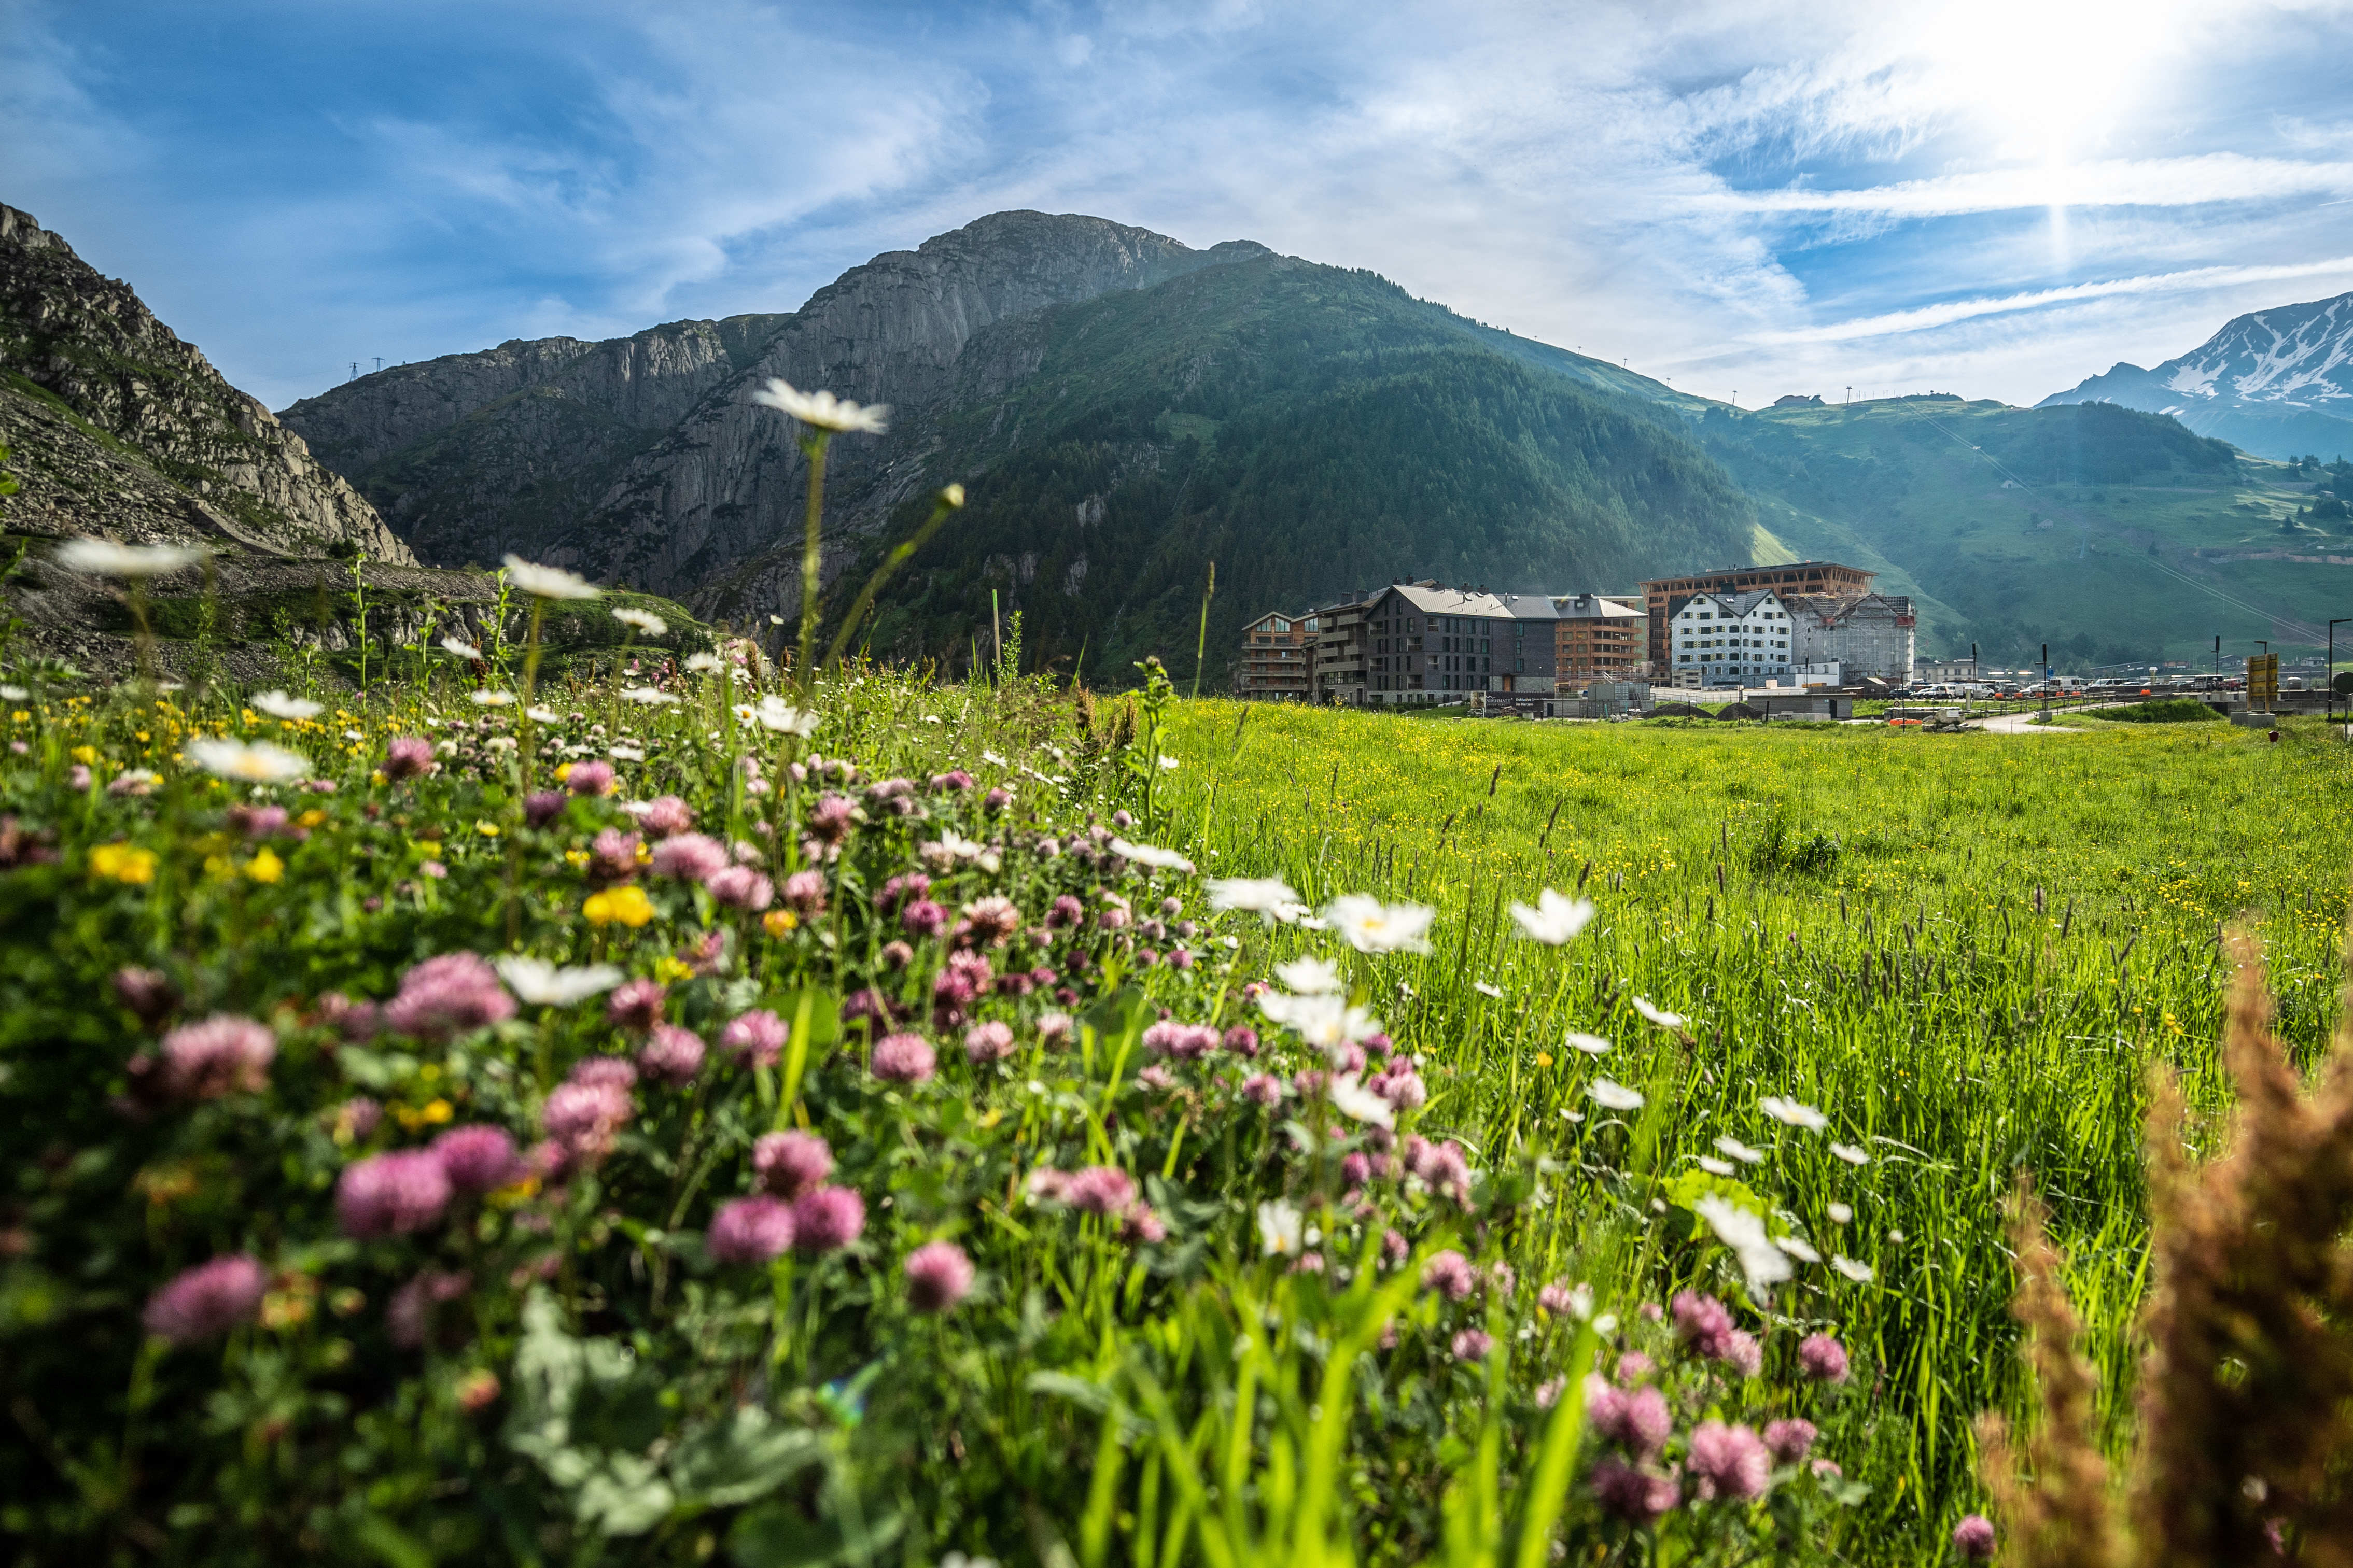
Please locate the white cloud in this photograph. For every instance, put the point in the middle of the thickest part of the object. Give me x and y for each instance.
(1770, 196)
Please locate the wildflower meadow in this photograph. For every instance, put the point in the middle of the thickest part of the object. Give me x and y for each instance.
(704, 1111)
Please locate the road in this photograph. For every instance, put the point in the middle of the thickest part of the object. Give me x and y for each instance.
(2022, 724)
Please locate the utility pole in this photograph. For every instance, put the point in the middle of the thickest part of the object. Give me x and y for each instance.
(379, 362)
(2329, 700)
(355, 371)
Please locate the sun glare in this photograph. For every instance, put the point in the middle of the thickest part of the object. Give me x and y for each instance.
(2049, 82)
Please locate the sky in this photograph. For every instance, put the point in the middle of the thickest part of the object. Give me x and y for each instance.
(1744, 199)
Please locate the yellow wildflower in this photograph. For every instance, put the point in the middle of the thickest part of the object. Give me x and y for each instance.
(86, 755)
(576, 856)
(123, 863)
(779, 921)
(486, 829)
(264, 867)
(627, 905)
(669, 969)
(312, 817)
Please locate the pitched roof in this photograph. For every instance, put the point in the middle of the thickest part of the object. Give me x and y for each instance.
(1432, 599)
(1739, 604)
(1594, 607)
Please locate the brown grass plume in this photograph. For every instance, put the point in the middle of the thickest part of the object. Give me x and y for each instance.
(2245, 1445)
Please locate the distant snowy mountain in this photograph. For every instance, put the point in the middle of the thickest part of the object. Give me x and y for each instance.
(2278, 382)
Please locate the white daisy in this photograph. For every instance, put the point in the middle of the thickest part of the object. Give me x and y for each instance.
(1260, 896)
(1150, 855)
(704, 663)
(1484, 989)
(462, 648)
(646, 621)
(1359, 1103)
(1280, 1224)
(823, 409)
(278, 705)
(1659, 1015)
(1712, 1166)
(14, 693)
(1840, 1214)
(1859, 1272)
(1308, 976)
(649, 694)
(1556, 919)
(542, 984)
(494, 699)
(105, 558)
(1801, 1250)
(627, 754)
(1372, 926)
(540, 716)
(782, 719)
(1591, 1045)
(1325, 1022)
(1614, 1095)
(255, 763)
(1851, 1154)
(1762, 1263)
(549, 581)
(1790, 1113)
(1739, 1150)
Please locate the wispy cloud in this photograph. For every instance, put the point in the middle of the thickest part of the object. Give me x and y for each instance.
(1740, 195)
(2157, 181)
(1946, 313)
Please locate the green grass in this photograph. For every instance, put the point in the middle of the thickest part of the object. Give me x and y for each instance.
(1906, 982)
(2164, 710)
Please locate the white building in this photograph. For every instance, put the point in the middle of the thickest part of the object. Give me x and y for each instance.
(1730, 639)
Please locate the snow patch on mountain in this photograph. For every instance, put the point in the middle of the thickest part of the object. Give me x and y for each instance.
(2274, 381)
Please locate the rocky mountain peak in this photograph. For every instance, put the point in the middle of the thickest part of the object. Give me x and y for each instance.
(121, 428)
(643, 459)
(2274, 381)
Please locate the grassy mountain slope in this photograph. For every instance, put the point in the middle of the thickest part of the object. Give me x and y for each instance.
(1311, 430)
(2108, 533)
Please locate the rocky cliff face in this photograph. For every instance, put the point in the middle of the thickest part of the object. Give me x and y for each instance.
(644, 461)
(119, 428)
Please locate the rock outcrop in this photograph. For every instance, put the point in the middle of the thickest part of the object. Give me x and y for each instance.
(122, 429)
(644, 461)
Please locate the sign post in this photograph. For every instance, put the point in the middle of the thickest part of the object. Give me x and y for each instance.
(2263, 681)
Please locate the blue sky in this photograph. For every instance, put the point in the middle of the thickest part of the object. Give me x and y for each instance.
(1998, 199)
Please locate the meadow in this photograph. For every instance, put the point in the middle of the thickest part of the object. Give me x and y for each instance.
(892, 1121)
(1967, 949)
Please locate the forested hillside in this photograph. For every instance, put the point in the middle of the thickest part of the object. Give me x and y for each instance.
(2107, 533)
(1310, 429)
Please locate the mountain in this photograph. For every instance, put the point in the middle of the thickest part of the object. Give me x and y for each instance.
(1311, 429)
(2109, 534)
(122, 429)
(644, 458)
(118, 429)
(1122, 408)
(2277, 382)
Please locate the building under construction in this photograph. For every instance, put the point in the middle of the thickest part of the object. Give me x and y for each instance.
(1835, 618)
